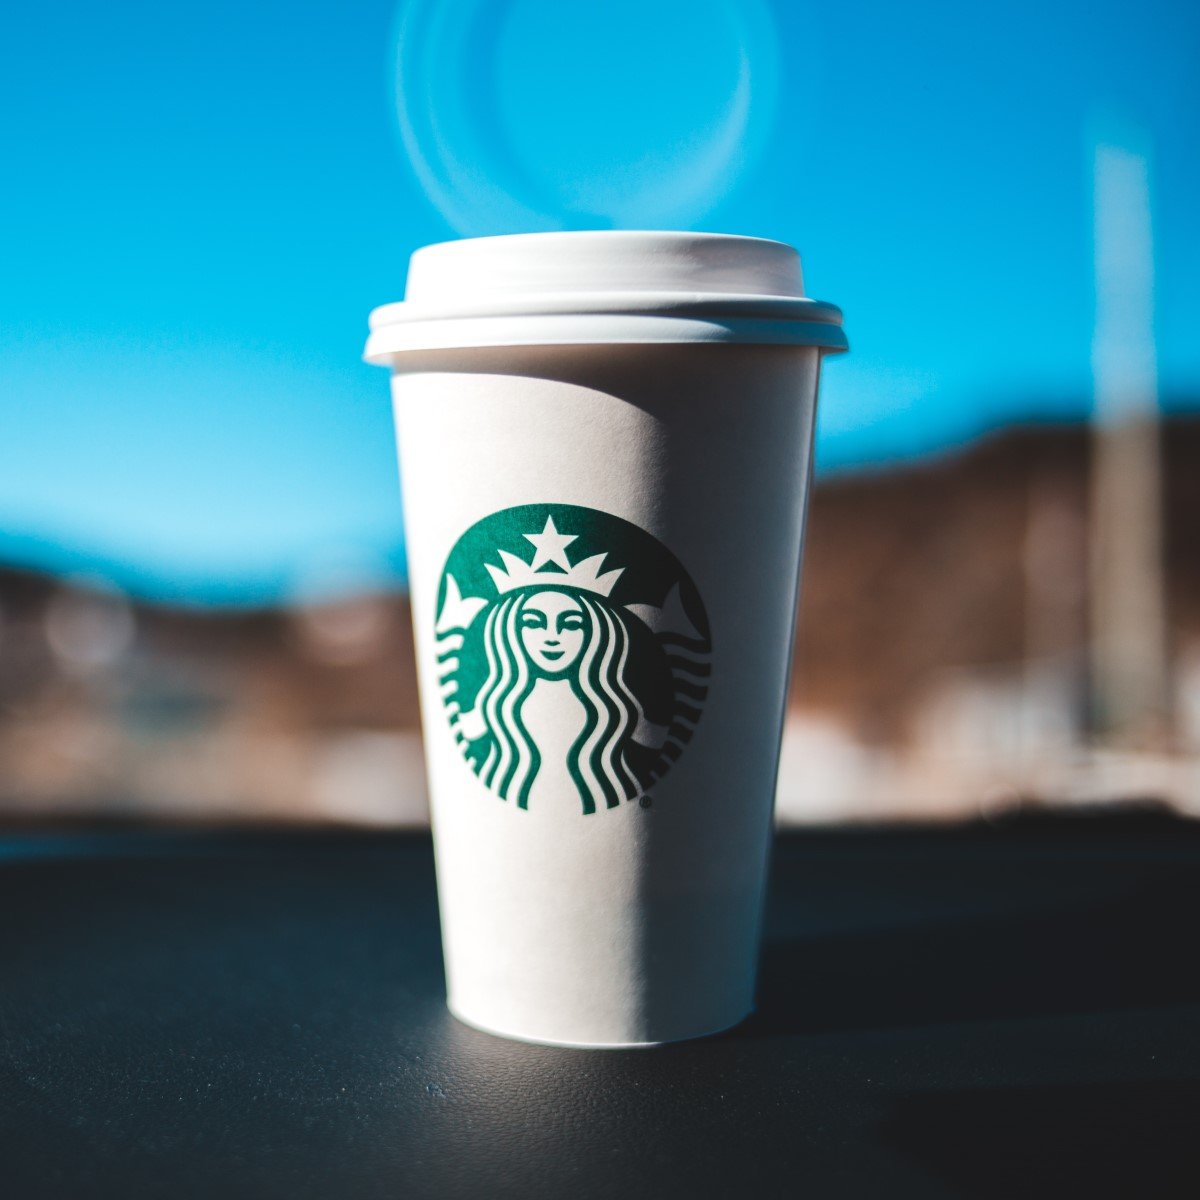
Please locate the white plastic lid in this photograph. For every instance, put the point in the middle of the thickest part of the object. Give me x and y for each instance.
(537, 289)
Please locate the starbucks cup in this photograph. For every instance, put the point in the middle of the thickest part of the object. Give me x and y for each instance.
(605, 447)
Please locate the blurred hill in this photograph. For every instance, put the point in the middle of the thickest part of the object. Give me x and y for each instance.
(970, 560)
(941, 656)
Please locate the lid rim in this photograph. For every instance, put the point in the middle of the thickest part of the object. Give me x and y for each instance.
(649, 304)
(496, 332)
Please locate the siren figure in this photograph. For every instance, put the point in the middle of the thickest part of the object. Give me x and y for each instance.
(557, 690)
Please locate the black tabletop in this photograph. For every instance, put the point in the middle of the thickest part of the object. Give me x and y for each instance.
(1005, 1011)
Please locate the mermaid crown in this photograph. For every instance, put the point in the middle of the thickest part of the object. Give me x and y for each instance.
(550, 566)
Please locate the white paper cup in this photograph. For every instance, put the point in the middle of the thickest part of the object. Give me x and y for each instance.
(605, 447)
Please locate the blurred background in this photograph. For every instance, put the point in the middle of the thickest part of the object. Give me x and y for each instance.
(202, 570)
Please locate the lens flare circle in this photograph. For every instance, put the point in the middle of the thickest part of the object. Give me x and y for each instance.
(527, 115)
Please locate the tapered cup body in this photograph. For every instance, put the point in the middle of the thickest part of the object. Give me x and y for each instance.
(602, 752)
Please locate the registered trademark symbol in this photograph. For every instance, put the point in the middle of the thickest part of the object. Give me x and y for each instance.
(646, 801)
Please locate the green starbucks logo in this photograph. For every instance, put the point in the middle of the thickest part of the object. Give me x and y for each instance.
(573, 655)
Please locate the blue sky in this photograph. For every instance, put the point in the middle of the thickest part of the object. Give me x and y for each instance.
(201, 203)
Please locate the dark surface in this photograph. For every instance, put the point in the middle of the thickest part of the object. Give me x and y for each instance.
(1006, 1011)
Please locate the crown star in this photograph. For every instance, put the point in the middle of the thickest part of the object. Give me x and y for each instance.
(550, 546)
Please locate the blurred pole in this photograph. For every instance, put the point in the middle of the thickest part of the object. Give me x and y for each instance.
(1128, 616)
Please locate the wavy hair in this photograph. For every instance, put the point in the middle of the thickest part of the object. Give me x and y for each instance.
(597, 760)
(512, 760)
